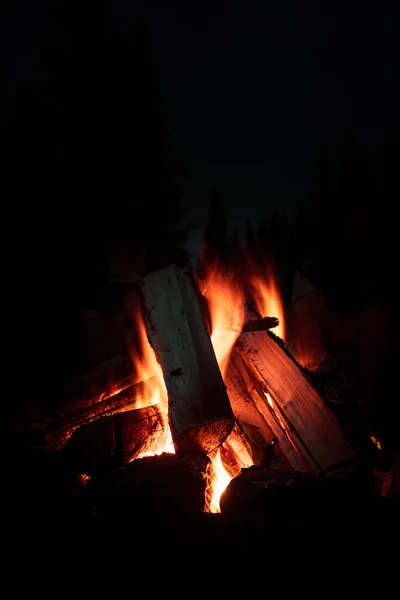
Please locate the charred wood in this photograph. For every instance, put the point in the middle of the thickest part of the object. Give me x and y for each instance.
(263, 324)
(110, 442)
(133, 397)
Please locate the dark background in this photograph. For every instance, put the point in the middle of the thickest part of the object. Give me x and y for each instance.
(126, 125)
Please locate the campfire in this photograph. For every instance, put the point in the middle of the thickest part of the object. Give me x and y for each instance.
(207, 394)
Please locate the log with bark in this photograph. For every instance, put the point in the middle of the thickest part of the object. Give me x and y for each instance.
(108, 388)
(199, 410)
(73, 416)
(98, 392)
(110, 442)
(261, 324)
(308, 433)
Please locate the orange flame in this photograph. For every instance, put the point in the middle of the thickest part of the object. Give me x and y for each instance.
(226, 303)
(150, 372)
(222, 479)
(268, 299)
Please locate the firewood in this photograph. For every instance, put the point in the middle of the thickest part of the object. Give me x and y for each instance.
(292, 407)
(263, 324)
(59, 430)
(199, 409)
(255, 418)
(98, 392)
(111, 442)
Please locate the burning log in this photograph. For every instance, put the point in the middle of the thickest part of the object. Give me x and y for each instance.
(199, 410)
(111, 442)
(133, 397)
(255, 424)
(263, 324)
(308, 433)
(103, 390)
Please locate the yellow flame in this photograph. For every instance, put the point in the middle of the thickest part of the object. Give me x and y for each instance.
(150, 372)
(222, 479)
(226, 303)
(377, 442)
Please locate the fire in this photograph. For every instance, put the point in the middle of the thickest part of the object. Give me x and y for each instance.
(225, 293)
(222, 479)
(267, 299)
(150, 372)
(226, 301)
(225, 297)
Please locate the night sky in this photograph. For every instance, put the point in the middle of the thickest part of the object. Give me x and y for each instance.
(250, 89)
(253, 89)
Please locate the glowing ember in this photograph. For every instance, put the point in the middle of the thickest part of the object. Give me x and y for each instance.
(377, 442)
(149, 371)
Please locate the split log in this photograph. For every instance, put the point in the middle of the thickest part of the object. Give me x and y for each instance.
(111, 442)
(258, 427)
(292, 407)
(199, 409)
(136, 396)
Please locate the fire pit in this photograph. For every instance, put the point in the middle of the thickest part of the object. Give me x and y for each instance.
(208, 393)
